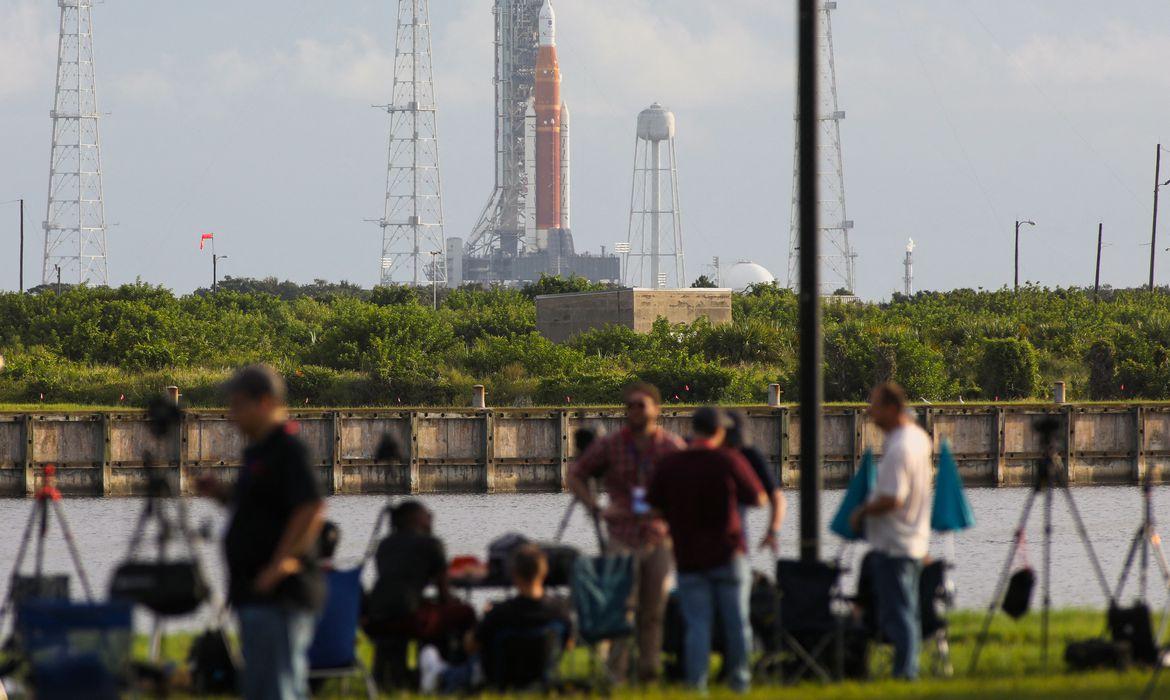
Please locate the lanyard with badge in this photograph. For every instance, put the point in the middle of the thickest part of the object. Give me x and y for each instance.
(638, 504)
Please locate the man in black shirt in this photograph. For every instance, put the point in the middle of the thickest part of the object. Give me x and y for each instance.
(277, 512)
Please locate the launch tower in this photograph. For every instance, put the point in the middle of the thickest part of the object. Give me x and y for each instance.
(524, 230)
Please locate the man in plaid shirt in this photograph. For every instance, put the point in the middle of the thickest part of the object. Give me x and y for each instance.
(625, 461)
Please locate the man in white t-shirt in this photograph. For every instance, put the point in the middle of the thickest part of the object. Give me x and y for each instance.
(897, 524)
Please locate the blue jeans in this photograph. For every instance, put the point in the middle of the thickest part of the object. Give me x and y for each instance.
(700, 594)
(275, 641)
(895, 582)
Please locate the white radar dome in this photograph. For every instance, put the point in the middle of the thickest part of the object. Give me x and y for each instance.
(744, 274)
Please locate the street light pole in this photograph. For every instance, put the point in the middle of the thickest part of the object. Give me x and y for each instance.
(58, 269)
(1017, 275)
(1154, 227)
(434, 280)
(21, 246)
(1097, 275)
(215, 270)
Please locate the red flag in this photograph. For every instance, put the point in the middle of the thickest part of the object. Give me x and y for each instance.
(205, 237)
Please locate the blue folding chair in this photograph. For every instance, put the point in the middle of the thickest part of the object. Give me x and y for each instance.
(75, 650)
(333, 653)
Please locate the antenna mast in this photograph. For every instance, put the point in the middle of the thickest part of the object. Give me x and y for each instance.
(412, 225)
(75, 220)
(838, 259)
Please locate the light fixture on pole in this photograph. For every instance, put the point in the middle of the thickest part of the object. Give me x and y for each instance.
(1017, 275)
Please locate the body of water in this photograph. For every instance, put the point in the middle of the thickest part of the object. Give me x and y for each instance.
(467, 523)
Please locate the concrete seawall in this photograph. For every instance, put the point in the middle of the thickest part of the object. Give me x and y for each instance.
(528, 450)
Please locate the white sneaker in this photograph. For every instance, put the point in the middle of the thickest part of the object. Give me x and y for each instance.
(430, 668)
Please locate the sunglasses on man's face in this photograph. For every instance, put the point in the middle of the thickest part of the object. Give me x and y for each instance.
(636, 404)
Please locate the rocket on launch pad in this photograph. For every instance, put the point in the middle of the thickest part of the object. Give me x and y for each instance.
(551, 180)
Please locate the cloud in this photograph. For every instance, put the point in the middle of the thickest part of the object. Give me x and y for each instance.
(27, 48)
(145, 85)
(357, 67)
(1121, 53)
(231, 72)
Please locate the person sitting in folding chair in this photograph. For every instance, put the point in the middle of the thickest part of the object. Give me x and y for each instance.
(519, 642)
(897, 524)
(408, 561)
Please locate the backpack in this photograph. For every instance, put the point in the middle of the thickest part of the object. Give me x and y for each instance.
(213, 669)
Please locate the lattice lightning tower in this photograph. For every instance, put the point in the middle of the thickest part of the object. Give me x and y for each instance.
(75, 220)
(837, 257)
(412, 226)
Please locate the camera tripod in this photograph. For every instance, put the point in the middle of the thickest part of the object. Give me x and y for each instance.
(46, 503)
(1045, 480)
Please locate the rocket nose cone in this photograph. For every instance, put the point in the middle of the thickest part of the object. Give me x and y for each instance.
(548, 25)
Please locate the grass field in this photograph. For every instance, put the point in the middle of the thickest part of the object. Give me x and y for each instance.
(1010, 667)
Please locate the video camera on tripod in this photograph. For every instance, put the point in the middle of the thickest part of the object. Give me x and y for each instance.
(166, 586)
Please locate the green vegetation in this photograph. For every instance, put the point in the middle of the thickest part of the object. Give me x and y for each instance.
(340, 345)
(1009, 667)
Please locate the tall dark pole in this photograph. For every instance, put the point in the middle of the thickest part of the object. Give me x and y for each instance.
(1017, 275)
(1154, 227)
(58, 269)
(21, 246)
(214, 272)
(1097, 276)
(811, 380)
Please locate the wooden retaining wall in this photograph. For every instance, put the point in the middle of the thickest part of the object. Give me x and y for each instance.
(517, 450)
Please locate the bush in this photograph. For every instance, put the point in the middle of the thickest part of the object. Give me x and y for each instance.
(1009, 369)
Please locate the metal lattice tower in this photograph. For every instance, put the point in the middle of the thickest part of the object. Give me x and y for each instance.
(837, 257)
(412, 225)
(655, 233)
(75, 220)
(506, 222)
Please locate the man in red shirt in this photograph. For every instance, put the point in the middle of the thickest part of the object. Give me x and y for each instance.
(699, 492)
(625, 463)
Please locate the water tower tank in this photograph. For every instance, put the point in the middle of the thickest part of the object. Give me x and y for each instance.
(655, 123)
(744, 274)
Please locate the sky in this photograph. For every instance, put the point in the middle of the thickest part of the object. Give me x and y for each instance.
(254, 121)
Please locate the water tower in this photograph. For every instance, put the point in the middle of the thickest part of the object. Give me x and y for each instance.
(655, 257)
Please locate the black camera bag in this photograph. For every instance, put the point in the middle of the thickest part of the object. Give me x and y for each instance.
(1018, 597)
(1092, 654)
(1132, 626)
(164, 587)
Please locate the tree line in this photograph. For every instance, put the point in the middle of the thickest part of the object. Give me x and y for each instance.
(341, 345)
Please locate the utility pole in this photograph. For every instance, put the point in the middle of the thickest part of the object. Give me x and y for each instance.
(58, 269)
(808, 224)
(1154, 228)
(1097, 276)
(1017, 276)
(22, 246)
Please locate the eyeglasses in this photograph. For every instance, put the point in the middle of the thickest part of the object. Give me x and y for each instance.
(636, 404)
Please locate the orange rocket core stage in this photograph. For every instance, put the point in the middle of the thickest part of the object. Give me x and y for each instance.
(548, 139)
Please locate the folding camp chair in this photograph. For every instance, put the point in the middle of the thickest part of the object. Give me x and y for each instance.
(601, 595)
(812, 635)
(75, 650)
(934, 600)
(333, 653)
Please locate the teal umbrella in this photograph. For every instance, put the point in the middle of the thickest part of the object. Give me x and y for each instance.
(860, 486)
(950, 511)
